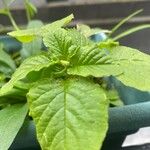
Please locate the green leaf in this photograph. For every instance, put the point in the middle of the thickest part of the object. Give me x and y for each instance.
(67, 111)
(3, 11)
(34, 47)
(131, 30)
(87, 31)
(2, 77)
(135, 66)
(107, 44)
(7, 65)
(29, 34)
(5, 69)
(124, 21)
(113, 97)
(78, 38)
(25, 35)
(12, 118)
(15, 96)
(59, 23)
(60, 44)
(34, 23)
(35, 63)
(30, 9)
(91, 61)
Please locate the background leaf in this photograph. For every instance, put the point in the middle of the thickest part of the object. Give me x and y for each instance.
(29, 34)
(69, 114)
(87, 31)
(59, 23)
(35, 63)
(34, 47)
(113, 97)
(3, 11)
(31, 10)
(11, 120)
(135, 66)
(7, 65)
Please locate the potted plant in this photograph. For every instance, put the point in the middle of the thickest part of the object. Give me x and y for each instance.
(65, 89)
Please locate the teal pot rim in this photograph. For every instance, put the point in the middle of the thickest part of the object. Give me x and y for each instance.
(10, 43)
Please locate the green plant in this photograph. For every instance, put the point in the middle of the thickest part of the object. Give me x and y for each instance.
(31, 11)
(65, 88)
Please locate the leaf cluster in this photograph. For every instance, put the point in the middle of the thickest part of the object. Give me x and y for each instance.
(66, 86)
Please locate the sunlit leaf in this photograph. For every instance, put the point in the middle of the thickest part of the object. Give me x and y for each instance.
(67, 111)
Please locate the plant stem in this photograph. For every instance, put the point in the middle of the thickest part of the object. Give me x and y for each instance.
(27, 12)
(10, 15)
(124, 21)
(12, 21)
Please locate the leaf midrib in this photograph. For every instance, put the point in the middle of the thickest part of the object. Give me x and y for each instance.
(65, 91)
(83, 65)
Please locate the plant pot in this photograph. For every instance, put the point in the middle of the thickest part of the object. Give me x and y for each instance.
(122, 120)
(10, 44)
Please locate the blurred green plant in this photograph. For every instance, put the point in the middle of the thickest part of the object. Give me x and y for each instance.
(31, 10)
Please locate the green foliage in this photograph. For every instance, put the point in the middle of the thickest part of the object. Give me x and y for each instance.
(6, 11)
(87, 31)
(135, 66)
(113, 97)
(124, 21)
(107, 44)
(60, 44)
(31, 10)
(3, 11)
(64, 115)
(34, 47)
(91, 61)
(65, 87)
(78, 38)
(131, 30)
(35, 63)
(30, 34)
(59, 23)
(128, 31)
(7, 65)
(12, 118)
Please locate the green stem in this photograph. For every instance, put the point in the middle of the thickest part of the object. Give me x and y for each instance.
(10, 15)
(27, 12)
(124, 21)
(12, 21)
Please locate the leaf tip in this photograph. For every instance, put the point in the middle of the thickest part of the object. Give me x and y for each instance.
(71, 16)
